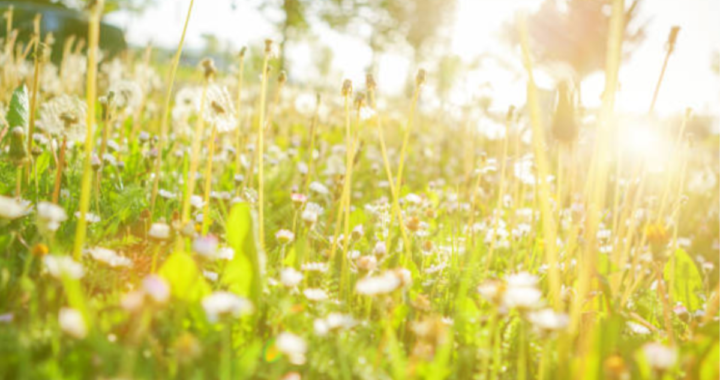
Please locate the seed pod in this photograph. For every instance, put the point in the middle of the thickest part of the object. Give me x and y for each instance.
(282, 78)
(18, 150)
(370, 84)
(359, 100)
(243, 50)
(268, 46)
(420, 77)
(510, 114)
(208, 67)
(347, 87)
(672, 38)
(95, 162)
(564, 125)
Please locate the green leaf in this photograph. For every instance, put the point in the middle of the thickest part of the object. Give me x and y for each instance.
(684, 280)
(184, 277)
(19, 110)
(243, 274)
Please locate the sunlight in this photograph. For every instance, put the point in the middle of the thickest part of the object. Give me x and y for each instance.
(644, 142)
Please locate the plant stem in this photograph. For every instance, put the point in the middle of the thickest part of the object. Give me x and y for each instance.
(195, 157)
(166, 110)
(260, 150)
(94, 34)
(208, 182)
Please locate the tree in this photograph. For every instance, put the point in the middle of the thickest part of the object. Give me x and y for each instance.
(575, 32)
(110, 5)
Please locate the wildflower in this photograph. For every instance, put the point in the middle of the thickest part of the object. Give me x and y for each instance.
(315, 267)
(492, 290)
(357, 232)
(50, 216)
(638, 328)
(314, 294)
(367, 263)
(72, 323)
(221, 304)
(220, 111)
(293, 346)
(89, 217)
(284, 236)
(319, 188)
(40, 250)
(659, 356)
(211, 276)
(132, 301)
(289, 277)
(615, 366)
(225, 253)
(205, 246)
(187, 347)
(11, 208)
(521, 292)
(310, 213)
(159, 231)
(59, 266)
(548, 320)
(382, 284)
(332, 322)
(380, 249)
(298, 199)
(156, 288)
(109, 257)
(127, 95)
(64, 116)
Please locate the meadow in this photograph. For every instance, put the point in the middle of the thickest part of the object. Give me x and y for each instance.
(232, 224)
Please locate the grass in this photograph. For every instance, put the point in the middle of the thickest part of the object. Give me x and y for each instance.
(382, 239)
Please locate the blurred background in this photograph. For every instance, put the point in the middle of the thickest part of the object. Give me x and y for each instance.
(468, 46)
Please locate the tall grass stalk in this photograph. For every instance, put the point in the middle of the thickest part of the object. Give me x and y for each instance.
(347, 94)
(311, 147)
(208, 182)
(166, 110)
(596, 183)
(261, 144)
(35, 84)
(194, 156)
(239, 133)
(85, 186)
(538, 142)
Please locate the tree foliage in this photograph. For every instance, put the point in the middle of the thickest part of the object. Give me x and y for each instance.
(575, 32)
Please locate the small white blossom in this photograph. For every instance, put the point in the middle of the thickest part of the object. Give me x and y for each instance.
(72, 323)
(293, 346)
(223, 303)
(50, 216)
(59, 266)
(290, 277)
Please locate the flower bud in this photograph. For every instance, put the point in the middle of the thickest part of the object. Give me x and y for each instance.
(347, 87)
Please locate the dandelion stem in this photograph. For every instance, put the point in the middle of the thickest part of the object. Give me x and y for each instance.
(548, 220)
(194, 157)
(85, 189)
(261, 146)
(208, 182)
(166, 111)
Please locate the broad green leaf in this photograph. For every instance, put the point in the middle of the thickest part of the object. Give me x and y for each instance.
(184, 277)
(19, 111)
(684, 280)
(290, 258)
(243, 274)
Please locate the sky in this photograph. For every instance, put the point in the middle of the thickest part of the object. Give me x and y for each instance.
(689, 81)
